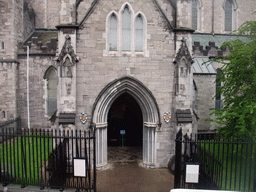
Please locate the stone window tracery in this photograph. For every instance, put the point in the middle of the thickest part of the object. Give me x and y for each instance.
(126, 32)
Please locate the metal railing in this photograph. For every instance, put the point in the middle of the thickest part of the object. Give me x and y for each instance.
(11, 124)
(45, 158)
(226, 164)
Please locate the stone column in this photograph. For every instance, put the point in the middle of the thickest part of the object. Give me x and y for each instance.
(149, 140)
(67, 60)
(67, 12)
(183, 81)
(101, 145)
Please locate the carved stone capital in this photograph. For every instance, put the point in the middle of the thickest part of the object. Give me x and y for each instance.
(67, 51)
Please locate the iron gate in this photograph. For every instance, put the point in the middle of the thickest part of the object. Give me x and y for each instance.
(224, 163)
(45, 157)
(189, 152)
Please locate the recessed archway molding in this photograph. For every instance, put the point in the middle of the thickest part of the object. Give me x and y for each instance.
(150, 113)
(136, 89)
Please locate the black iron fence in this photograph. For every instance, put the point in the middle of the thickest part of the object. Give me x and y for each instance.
(11, 124)
(45, 158)
(224, 164)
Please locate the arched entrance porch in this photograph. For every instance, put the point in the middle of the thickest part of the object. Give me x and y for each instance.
(125, 115)
(150, 115)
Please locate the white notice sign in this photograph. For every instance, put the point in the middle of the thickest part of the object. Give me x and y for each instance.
(192, 173)
(79, 168)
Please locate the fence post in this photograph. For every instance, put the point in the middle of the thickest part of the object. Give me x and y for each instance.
(254, 175)
(94, 158)
(178, 148)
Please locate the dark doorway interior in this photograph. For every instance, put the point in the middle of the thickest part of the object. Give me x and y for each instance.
(125, 114)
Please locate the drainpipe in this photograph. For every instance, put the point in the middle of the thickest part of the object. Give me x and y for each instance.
(175, 25)
(28, 108)
(212, 17)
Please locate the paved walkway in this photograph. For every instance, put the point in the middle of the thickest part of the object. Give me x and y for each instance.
(124, 154)
(130, 177)
(122, 177)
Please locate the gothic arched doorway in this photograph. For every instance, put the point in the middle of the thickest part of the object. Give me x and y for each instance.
(138, 95)
(125, 117)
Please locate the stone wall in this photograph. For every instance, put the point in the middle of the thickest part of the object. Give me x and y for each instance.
(243, 11)
(156, 72)
(47, 13)
(38, 66)
(28, 19)
(67, 12)
(47, 17)
(82, 9)
(6, 21)
(17, 22)
(40, 9)
(17, 29)
(184, 13)
(8, 89)
(53, 7)
(205, 100)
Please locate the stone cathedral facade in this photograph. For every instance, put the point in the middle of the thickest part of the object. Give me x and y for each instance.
(126, 65)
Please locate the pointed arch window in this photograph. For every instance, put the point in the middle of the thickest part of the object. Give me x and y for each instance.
(2, 46)
(126, 32)
(3, 114)
(51, 100)
(218, 101)
(228, 15)
(194, 14)
(139, 33)
(113, 33)
(126, 29)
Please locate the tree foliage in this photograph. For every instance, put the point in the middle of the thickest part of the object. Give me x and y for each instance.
(238, 90)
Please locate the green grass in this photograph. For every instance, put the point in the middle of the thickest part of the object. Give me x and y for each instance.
(23, 158)
(238, 165)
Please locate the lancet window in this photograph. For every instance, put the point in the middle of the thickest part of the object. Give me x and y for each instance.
(126, 32)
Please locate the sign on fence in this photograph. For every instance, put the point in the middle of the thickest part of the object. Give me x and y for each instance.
(226, 163)
(192, 173)
(79, 168)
